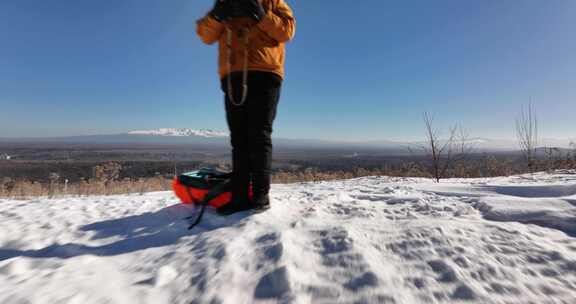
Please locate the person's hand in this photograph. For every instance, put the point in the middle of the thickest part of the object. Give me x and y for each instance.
(220, 11)
(255, 9)
(236, 8)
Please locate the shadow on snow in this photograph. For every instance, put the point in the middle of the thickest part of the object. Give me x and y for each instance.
(133, 233)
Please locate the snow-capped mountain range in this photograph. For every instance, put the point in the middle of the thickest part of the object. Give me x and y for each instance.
(180, 132)
(220, 139)
(477, 142)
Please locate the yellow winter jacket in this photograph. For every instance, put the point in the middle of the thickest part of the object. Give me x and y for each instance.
(266, 39)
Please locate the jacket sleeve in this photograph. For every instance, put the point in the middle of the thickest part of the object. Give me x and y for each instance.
(209, 30)
(279, 22)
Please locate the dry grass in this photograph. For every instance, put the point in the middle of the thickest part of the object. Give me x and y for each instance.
(310, 175)
(27, 189)
(57, 188)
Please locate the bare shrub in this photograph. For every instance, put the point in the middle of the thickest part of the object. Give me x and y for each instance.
(409, 169)
(107, 172)
(443, 154)
(571, 156)
(527, 136)
(7, 185)
(54, 179)
(553, 159)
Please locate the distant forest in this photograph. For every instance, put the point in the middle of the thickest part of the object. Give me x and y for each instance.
(77, 170)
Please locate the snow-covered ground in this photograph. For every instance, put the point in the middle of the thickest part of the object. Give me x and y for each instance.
(365, 240)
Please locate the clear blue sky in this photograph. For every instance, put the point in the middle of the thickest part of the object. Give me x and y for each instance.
(356, 70)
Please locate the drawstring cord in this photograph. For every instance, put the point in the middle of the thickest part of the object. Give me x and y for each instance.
(230, 92)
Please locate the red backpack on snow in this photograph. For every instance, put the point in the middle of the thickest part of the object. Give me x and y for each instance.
(204, 187)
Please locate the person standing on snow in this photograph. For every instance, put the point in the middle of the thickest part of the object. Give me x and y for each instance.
(251, 36)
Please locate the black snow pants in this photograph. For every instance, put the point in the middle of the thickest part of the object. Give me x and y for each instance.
(250, 126)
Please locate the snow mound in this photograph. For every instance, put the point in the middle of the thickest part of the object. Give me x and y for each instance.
(365, 240)
(536, 201)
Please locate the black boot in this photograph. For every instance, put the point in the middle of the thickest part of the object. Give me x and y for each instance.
(234, 206)
(261, 202)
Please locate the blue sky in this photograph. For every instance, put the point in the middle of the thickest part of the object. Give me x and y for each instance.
(355, 71)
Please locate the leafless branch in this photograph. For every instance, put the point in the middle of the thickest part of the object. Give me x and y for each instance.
(444, 153)
(527, 135)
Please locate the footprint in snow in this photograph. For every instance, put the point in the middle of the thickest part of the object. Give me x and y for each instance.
(270, 247)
